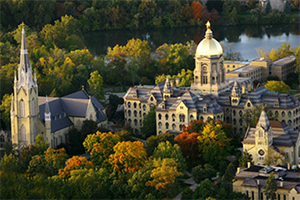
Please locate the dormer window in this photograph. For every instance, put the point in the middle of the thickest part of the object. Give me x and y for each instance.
(151, 99)
(276, 104)
(204, 109)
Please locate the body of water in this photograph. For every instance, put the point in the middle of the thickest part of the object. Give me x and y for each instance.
(244, 39)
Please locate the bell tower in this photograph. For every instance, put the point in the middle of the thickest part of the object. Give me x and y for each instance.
(24, 108)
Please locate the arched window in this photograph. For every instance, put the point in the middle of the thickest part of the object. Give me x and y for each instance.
(290, 113)
(135, 122)
(201, 118)
(151, 105)
(144, 114)
(151, 99)
(23, 133)
(180, 127)
(134, 104)
(129, 104)
(140, 105)
(191, 118)
(276, 113)
(234, 121)
(159, 125)
(173, 127)
(159, 132)
(22, 108)
(173, 117)
(129, 113)
(218, 117)
(135, 113)
(283, 121)
(283, 114)
(240, 113)
(159, 116)
(129, 121)
(233, 112)
(140, 113)
(141, 124)
(227, 119)
(167, 116)
(167, 125)
(241, 122)
(32, 107)
(290, 123)
(91, 117)
(248, 105)
(144, 107)
(181, 117)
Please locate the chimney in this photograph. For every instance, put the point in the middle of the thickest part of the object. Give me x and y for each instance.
(172, 83)
(248, 164)
(288, 166)
(238, 170)
(281, 183)
(243, 89)
(177, 80)
(257, 182)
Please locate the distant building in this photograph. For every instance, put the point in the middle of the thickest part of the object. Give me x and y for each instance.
(272, 141)
(260, 69)
(251, 181)
(50, 116)
(212, 95)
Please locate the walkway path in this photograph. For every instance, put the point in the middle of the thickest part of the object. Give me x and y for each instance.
(189, 181)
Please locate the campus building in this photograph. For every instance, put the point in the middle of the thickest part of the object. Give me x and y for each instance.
(212, 94)
(50, 116)
(272, 142)
(252, 180)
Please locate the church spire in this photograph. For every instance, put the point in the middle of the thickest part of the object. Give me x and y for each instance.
(235, 92)
(47, 111)
(24, 60)
(263, 120)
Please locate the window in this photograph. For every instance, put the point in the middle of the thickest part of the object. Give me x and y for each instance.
(32, 107)
(135, 113)
(144, 107)
(261, 196)
(167, 116)
(283, 114)
(159, 125)
(159, 116)
(141, 124)
(278, 197)
(181, 126)
(23, 133)
(205, 109)
(129, 104)
(240, 113)
(247, 193)
(181, 117)
(151, 99)
(22, 108)
(2, 139)
(140, 113)
(284, 197)
(135, 122)
(234, 112)
(129, 121)
(204, 81)
(252, 195)
(144, 114)
(173, 127)
(173, 117)
(289, 113)
(167, 125)
(134, 104)
(234, 121)
(129, 113)
(191, 118)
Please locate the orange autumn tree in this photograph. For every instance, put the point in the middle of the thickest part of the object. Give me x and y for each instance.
(188, 141)
(100, 146)
(197, 10)
(74, 163)
(55, 159)
(128, 156)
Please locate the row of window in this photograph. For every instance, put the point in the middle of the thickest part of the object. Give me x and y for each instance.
(262, 196)
(173, 126)
(135, 113)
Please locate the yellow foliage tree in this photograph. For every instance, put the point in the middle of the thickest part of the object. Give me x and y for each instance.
(277, 86)
(128, 156)
(164, 175)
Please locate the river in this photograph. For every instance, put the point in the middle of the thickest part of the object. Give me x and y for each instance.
(243, 38)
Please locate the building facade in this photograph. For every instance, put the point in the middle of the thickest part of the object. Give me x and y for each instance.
(272, 142)
(211, 95)
(52, 117)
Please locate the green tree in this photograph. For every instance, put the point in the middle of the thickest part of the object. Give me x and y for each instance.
(5, 111)
(149, 123)
(277, 86)
(244, 159)
(9, 163)
(205, 190)
(96, 85)
(256, 15)
(214, 145)
(167, 150)
(154, 140)
(271, 187)
(201, 173)
(40, 145)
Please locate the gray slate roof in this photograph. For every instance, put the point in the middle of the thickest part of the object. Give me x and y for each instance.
(73, 105)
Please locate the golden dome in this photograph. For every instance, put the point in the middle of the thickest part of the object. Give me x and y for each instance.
(209, 46)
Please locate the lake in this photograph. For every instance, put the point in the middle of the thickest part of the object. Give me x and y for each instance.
(243, 38)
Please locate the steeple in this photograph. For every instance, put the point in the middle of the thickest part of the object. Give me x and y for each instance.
(263, 120)
(208, 33)
(168, 90)
(12, 108)
(24, 70)
(47, 111)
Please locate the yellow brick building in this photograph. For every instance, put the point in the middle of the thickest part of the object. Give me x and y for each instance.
(211, 95)
(52, 117)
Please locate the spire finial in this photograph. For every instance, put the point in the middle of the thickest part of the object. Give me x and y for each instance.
(208, 25)
(208, 33)
(15, 77)
(82, 87)
(35, 75)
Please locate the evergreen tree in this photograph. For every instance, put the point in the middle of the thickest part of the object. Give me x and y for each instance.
(244, 159)
(149, 123)
(271, 187)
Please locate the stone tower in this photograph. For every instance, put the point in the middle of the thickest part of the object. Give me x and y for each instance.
(209, 73)
(24, 108)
